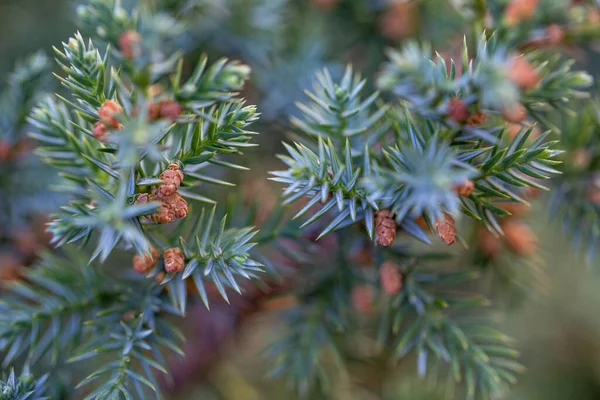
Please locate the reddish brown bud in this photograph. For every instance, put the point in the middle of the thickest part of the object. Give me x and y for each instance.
(5, 150)
(515, 114)
(555, 34)
(446, 229)
(519, 10)
(100, 131)
(457, 110)
(476, 119)
(170, 109)
(129, 43)
(142, 198)
(518, 237)
(522, 73)
(398, 20)
(490, 245)
(174, 260)
(144, 264)
(108, 114)
(172, 177)
(385, 228)
(179, 207)
(153, 111)
(390, 277)
(362, 299)
(165, 215)
(465, 189)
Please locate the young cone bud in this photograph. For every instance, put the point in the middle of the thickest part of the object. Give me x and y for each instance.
(129, 43)
(100, 131)
(457, 110)
(446, 229)
(519, 10)
(165, 215)
(515, 114)
(385, 228)
(390, 277)
(144, 264)
(170, 109)
(519, 238)
(108, 113)
(465, 189)
(522, 73)
(179, 206)
(362, 299)
(490, 245)
(477, 119)
(174, 260)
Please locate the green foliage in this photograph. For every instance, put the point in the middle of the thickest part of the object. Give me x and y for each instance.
(23, 387)
(449, 335)
(355, 153)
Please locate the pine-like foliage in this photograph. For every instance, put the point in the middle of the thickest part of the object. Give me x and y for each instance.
(23, 387)
(146, 138)
(452, 140)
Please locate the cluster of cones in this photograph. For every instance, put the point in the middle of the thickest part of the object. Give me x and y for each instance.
(173, 257)
(108, 112)
(172, 205)
(445, 227)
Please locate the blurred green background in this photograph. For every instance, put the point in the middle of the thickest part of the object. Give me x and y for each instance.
(558, 329)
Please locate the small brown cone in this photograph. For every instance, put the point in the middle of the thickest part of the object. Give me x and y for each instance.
(446, 229)
(555, 34)
(153, 111)
(100, 131)
(457, 110)
(108, 114)
(179, 206)
(476, 119)
(165, 215)
(398, 20)
(144, 264)
(515, 114)
(466, 188)
(518, 237)
(170, 109)
(522, 73)
(174, 260)
(390, 277)
(385, 227)
(518, 11)
(362, 299)
(490, 245)
(129, 43)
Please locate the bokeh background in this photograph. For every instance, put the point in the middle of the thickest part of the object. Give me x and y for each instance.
(557, 326)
